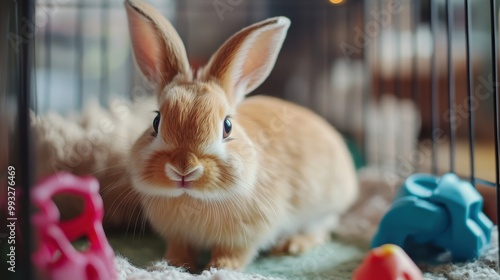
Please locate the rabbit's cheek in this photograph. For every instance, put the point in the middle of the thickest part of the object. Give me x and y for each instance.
(215, 149)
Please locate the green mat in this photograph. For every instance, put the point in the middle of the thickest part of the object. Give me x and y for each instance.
(334, 260)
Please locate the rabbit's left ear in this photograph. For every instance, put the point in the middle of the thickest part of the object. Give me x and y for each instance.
(245, 60)
(157, 47)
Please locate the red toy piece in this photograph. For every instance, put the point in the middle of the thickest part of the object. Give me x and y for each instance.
(387, 262)
(56, 258)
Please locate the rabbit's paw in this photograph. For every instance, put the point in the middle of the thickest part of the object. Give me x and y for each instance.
(234, 259)
(300, 243)
(181, 255)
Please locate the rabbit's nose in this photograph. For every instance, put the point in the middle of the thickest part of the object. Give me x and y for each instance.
(191, 174)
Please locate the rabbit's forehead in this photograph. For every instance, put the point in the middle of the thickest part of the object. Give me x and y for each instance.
(194, 99)
(192, 109)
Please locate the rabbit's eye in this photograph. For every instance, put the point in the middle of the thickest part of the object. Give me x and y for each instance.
(156, 122)
(227, 127)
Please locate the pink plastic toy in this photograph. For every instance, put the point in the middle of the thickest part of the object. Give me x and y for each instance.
(56, 258)
(387, 262)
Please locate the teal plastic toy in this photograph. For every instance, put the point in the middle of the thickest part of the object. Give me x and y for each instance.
(432, 215)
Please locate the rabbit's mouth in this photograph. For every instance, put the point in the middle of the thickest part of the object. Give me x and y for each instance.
(183, 183)
(188, 190)
(185, 176)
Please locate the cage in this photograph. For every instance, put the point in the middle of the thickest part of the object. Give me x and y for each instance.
(411, 85)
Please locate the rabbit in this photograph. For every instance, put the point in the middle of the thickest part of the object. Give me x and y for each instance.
(227, 174)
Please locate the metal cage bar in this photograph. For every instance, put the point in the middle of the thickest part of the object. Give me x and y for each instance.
(48, 58)
(104, 42)
(434, 84)
(494, 73)
(25, 10)
(397, 86)
(469, 89)
(79, 58)
(415, 96)
(367, 79)
(451, 80)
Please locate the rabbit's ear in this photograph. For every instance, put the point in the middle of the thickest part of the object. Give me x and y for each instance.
(157, 47)
(245, 60)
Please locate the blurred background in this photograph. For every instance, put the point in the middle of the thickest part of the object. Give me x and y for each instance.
(367, 66)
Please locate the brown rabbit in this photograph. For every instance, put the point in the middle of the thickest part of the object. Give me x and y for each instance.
(232, 175)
